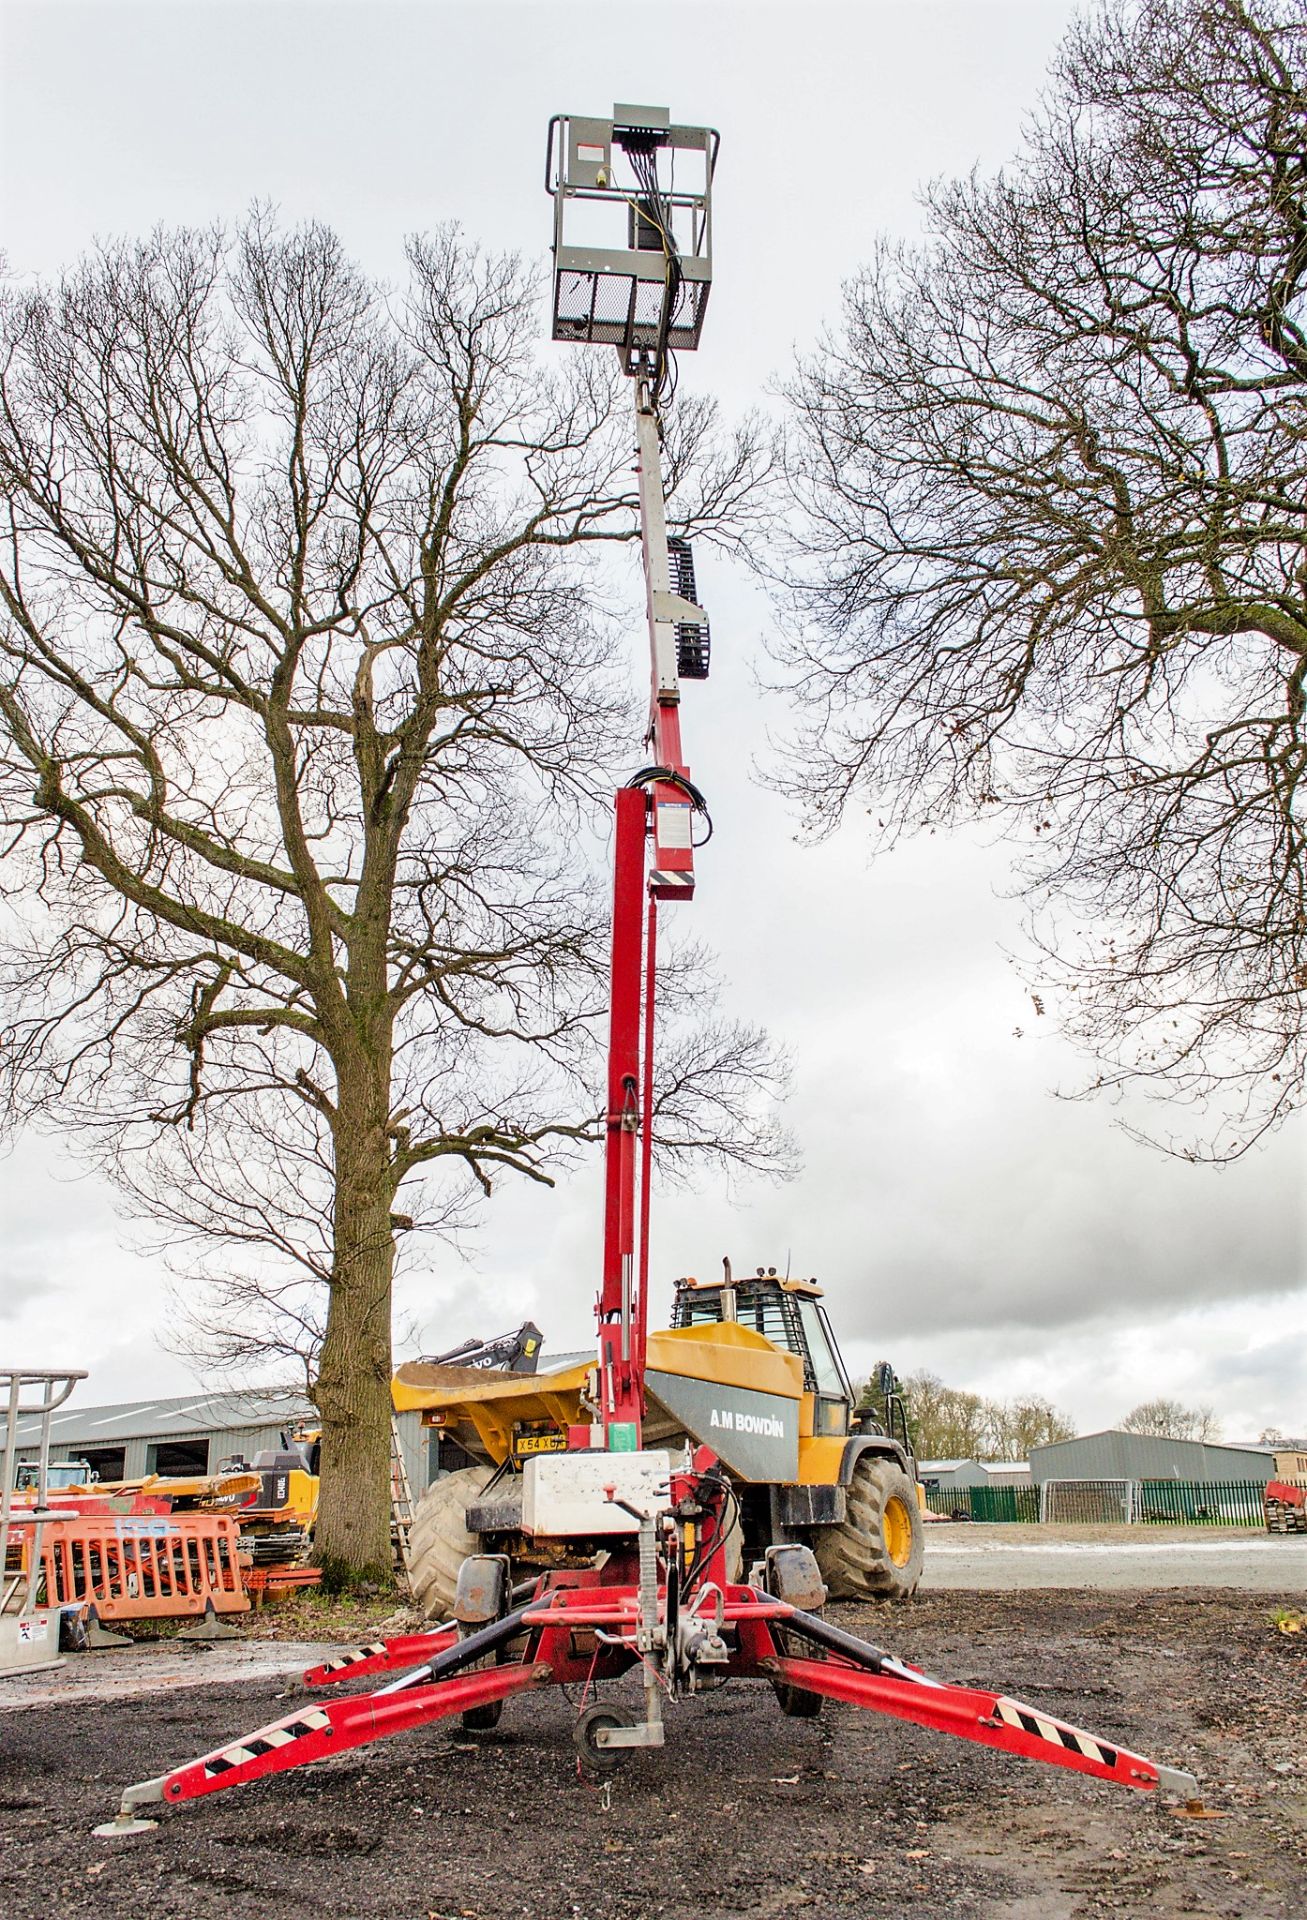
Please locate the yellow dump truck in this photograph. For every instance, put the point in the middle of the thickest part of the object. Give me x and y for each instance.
(749, 1367)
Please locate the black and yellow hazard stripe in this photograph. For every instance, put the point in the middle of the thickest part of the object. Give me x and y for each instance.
(352, 1658)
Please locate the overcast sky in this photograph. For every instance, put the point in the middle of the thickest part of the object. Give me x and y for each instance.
(960, 1216)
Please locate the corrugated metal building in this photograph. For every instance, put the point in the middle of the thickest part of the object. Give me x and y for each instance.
(194, 1434)
(949, 1473)
(1114, 1455)
(974, 1473)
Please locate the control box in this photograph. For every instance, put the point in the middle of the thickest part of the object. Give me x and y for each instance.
(565, 1495)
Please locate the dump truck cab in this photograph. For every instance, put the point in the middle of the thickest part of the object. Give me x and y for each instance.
(60, 1476)
(789, 1313)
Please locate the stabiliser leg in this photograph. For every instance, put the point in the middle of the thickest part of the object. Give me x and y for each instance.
(989, 1718)
(760, 1630)
(429, 1692)
(866, 1676)
(381, 1656)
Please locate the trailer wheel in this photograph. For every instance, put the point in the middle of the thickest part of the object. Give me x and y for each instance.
(797, 1703)
(876, 1552)
(439, 1541)
(596, 1760)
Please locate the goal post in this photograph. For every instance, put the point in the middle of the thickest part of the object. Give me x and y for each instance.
(1094, 1503)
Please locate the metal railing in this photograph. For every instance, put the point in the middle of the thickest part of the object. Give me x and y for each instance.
(985, 1503)
(1186, 1503)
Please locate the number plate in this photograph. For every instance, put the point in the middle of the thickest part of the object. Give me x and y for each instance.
(524, 1443)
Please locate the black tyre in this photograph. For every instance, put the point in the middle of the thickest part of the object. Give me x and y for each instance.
(796, 1703)
(598, 1760)
(877, 1550)
(439, 1541)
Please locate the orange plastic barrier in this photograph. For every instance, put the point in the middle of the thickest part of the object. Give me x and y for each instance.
(144, 1566)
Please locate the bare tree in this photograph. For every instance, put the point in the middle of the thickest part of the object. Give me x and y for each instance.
(951, 1423)
(1170, 1420)
(306, 691)
(1026, 1421)
(947, 1423)
(1052, 568)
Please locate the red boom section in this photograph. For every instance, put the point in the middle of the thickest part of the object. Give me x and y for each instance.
(621, 1378)
(657, 809)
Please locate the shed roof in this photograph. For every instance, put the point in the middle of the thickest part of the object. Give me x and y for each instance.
(1116, 1454)
(167, 1419)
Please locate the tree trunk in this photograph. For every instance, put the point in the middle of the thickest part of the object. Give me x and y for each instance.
(354, 1369)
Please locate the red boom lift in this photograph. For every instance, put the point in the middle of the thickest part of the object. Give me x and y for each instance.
(662, 1601)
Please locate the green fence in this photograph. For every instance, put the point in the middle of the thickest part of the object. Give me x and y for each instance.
(1185, 1503)
(1200, 1503)
(985, 1503)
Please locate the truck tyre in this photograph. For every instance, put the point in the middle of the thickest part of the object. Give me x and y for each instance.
(439, 1541)
(877, 1550)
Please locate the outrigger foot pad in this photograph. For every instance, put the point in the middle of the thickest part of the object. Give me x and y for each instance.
(127, 1820)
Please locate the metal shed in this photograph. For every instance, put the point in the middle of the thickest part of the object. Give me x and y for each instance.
(1114, 1455)
(194, 1433)
(974, 1473)
(950, 1473)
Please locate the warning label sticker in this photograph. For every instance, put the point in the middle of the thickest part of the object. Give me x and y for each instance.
(672, 826)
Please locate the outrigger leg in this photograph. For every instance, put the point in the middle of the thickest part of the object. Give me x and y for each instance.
(865, 1676)
(575, 1632)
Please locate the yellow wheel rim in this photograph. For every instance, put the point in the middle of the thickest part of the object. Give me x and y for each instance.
(897, 1530)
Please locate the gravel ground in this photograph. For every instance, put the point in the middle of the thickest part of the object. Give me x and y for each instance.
(999, 1559)
(745, 1813)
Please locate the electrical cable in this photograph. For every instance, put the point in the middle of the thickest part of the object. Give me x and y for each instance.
(654, 208)
(652, 776)
(723, 1532)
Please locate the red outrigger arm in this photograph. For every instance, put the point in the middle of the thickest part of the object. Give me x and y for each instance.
(989, 1718)
(582, 1631)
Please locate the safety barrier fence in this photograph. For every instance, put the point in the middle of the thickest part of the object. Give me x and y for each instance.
(1190, 1503)
(142, 1566)
(985, 1503)
(1202, 1503)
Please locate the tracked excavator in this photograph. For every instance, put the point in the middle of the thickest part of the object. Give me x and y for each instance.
(675, 1508)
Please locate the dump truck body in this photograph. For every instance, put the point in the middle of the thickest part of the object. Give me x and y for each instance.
(778, 1413)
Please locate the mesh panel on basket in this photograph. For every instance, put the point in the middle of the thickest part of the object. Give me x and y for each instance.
(616, 309)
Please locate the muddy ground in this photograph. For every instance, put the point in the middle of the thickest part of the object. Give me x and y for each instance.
(745, 1813)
